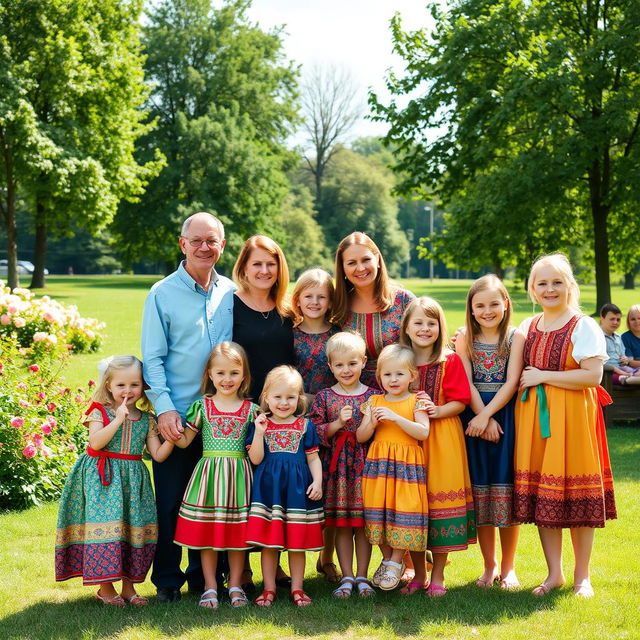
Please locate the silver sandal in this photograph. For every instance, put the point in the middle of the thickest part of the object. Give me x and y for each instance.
(365, 590)
(209, 596)
(345, 588)
(240, 599)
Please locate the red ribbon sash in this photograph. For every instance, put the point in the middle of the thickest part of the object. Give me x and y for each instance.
(341, 439)
(104, 462)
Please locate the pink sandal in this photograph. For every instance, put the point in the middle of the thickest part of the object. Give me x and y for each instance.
(436, 590)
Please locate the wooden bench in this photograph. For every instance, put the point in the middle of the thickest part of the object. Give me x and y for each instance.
(626, 401)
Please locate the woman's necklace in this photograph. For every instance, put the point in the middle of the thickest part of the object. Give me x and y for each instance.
(252, 304)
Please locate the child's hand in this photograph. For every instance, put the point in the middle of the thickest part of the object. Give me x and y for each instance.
(314, 491)
(346, 413)
(433, 410)
(624, 360)
(477, 425)
(122, 411)
(384, 413)
(493, 431)
(261, 424)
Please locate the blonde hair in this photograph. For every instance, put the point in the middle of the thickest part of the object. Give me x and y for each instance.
(236, 354)
(307, 280)
(400, 354)
(108, 367)
(490, 282)
(634, 308)
(287, 374)
(561, 264)
(432, 309)
(382, 288)
(346, 341)
(278, 291)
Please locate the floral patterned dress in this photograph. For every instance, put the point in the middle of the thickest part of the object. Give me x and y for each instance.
(282, 516)
(491, 463)
(342, 457)
(311, 359)
(215, 507)
(107, 527)
(378, 329)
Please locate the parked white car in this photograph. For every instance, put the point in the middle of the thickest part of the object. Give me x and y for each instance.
(25, 268)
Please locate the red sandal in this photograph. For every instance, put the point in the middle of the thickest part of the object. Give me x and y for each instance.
(300, 598)
(266, 598)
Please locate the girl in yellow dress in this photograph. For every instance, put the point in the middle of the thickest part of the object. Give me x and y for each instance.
(394, 478)
(562, 471)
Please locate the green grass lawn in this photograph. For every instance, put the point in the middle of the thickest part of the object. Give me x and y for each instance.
(33, 606)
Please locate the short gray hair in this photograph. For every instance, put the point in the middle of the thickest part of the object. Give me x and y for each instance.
(187, 223)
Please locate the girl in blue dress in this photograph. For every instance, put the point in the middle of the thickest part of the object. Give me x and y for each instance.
(286, 508)
(491, 352)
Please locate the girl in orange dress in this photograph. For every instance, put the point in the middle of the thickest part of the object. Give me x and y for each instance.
(394, 478)
(452, 525)
(562, 471)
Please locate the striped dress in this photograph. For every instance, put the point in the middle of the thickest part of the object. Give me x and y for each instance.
(394, 483)
(215, 507)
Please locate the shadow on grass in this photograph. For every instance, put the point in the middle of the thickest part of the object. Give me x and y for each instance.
(624, 450)
(462, 606)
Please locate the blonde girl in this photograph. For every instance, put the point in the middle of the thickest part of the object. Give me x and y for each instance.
(107, 527)
(394, 477)
(215, 507)
(491, 351)
(562, 471)
(631, 337)
(286, 507)
(442, 377)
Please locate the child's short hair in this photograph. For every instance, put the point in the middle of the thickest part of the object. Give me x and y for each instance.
(561, 264)
(485, 283)
(234, 352)
(345, 341)
(609, 307)
(285, 373)
(400, 354)
(634, 308)
(431, 309)
(107, 368)
(308, 279)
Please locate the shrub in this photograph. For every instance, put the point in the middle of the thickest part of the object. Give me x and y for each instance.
(40, 430)
(43, 320)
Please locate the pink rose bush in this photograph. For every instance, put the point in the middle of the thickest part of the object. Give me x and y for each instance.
(40, 427)
(46, 323)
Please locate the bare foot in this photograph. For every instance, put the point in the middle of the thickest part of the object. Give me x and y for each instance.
(583, 589)
(547, 586)
(487, 579)
(509, 581)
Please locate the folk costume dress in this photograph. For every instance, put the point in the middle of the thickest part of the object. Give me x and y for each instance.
(562, 470)
(215, 507)
(107, 527)
(394, 489)
(378, 329)
(452, 523)
(311, 359)
(491, 463)
(342, 457)
(282, 516)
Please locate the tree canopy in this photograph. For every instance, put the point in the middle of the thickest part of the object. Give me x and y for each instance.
(523, 116)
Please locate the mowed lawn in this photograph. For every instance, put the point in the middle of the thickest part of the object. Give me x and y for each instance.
(33, 606)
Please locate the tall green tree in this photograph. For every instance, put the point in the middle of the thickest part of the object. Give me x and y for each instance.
(71, 92)
(539, 97)
(224, 99)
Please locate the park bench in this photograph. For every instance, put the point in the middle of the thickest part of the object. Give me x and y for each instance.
(626, 401)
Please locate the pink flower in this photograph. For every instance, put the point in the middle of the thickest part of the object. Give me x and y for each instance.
(17, 422)
(92, 383)
(52, 422)
(48, 316)
(46, 428)
(29, 451)
(52, 338)
(1, 367)
(5, 319)
(46, 451)
(79, 399)
(41, 395)
(19, 322)
(39, 336)
(22, 385)
(24, 403)
(34, 367)
(64, 392)
(12, 308)
(71, 446)
(37, 439)
(51, 406)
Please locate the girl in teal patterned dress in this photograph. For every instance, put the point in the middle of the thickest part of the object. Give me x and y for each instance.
(215, 507)
(107, 527)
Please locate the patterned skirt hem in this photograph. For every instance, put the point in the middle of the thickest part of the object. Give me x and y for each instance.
(90, 581)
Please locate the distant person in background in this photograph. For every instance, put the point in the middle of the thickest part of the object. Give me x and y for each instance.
(185, 316)
(631, 338)
(618, 362)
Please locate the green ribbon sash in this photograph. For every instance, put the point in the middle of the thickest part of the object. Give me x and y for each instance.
(543, 410)
(223, 454)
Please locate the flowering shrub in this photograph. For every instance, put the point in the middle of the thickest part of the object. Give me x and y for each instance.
(40, 430)
(46, 322)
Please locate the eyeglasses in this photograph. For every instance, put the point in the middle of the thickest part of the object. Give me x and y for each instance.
(212, 243)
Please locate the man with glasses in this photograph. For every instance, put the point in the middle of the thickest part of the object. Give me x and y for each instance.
(185, 316)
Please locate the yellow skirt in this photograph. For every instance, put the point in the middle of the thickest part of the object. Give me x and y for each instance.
(394, 496)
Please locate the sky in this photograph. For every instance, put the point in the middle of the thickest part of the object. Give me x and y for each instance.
(353, 34)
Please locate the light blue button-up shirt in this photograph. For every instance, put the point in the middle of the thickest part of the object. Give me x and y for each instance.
(181, 324)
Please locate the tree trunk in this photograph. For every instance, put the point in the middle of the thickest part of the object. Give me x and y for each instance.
(599, 213)
(13, 280)
(630, 278)
(39, 248)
